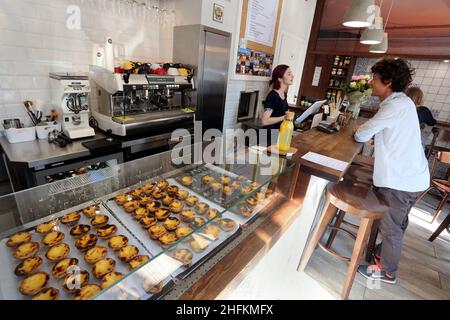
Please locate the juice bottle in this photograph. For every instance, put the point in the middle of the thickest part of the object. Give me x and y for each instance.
(286, 131)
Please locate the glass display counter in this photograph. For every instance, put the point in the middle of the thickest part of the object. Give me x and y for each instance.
(128, 231)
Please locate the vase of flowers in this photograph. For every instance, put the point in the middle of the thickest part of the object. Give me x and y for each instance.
(357, 91)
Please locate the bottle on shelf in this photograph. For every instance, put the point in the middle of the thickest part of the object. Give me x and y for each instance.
(286, 131)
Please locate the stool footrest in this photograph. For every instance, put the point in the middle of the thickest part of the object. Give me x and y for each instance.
(333, 253)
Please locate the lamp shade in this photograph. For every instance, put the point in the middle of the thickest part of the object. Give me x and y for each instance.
(359, 14)
(382, 47)
(373, 34)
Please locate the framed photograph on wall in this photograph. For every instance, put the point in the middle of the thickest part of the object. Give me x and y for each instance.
(218, 13)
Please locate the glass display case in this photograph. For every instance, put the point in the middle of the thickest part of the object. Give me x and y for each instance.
(128, 231)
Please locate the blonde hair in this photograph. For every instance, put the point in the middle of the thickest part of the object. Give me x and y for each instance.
(416, 95)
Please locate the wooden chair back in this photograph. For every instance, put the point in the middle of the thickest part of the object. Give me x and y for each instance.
(439, 134)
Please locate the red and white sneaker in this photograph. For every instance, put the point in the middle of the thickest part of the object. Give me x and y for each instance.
(376, 272)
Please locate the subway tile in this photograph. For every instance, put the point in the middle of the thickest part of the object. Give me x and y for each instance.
(444, 90)
(12, 53)
(427, 81)
(441, 98)
(430, 73)
(437, 82)
(424, 64)
(15, 83)
(421, 72)
(433, 65)
(9, 96)
(440, 73)
(433, 89)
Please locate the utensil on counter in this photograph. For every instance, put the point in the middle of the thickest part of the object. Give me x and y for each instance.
(12, 123)
(29, 106)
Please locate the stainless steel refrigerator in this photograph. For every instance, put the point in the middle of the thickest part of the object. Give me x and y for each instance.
(208, 51)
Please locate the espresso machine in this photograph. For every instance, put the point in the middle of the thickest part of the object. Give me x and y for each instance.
(70, 95)
(140, 104)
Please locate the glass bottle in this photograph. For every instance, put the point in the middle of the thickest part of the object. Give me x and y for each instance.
(286, 131)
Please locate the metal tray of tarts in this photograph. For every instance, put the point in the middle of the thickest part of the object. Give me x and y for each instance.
(76, 254)
(168, 217)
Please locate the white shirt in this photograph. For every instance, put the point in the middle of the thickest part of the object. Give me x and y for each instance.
(400, 161)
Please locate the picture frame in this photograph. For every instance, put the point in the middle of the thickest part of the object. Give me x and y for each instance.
(218, 12)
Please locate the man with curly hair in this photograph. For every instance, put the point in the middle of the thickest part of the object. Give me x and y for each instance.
(401, 170)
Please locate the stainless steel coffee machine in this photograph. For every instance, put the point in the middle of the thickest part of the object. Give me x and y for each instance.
(136, 104)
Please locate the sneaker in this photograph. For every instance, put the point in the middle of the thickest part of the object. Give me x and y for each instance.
(375, 272)
(376, 257)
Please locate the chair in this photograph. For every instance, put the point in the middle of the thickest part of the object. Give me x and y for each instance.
(439, 134)
(444, 225)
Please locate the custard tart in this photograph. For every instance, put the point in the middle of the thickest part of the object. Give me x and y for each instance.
(111, 278)
(187, 215)
(183, 232)
(151, 287)
(215, 186)
(167, 200)
(167, 239)
(86, 242)
(191, 201)
(156, 231)
(172, 190)
(71, 218)
(28, 266)
(187, 181)
(18, 239)
(58, 252)
(182, 195)
(106, 231)
(208, 179)
(212, 231)
(131, 206)
(176, 207)
(251, 202)
(201, 208)
(88, 291)
(162, 214)
(26, 250)
(53, 238)
(137, 261)
(34, 283)
(225, 180)
(91, 211)
(46, 227)
(185, 256)
(227, 190)
(62, 268)
(162, 184)
(227, 224)
(171, 224)
(117, 242)
(74, 281)
(147, 222)
(197, 222)
(199, 245)
(99, 220)
(121, 199)
(153, 206)
(137, 193)
(148, 187)
(212, 213)
(127, 253)
(158, 194)
(47, 294)
(95, 254)
(145, 200)
(245, 211)
(79, 230)
(103, 267)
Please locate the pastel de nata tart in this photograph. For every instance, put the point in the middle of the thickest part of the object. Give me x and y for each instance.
(215, 186)
(106, 231)
(153, 206)
(131, 206)
(162, 214)
(187, 181)
(127, 253)
(95, 254)
(99, 220)
(121, 199)
(18, 239)
(182, 232)
(251, 202)
(117, 242)
(176, 206)
(227, 224)
(111, 278)
(156, 231)
(53, 238)
(28, 266)
(147, 222)
(72, 282)
(34, 283)
(79, 230)
(225, 180)
(91, 211)
(199, 244)
(212, 231)
(187, 215)
(71, 218)
(47, 294)
(151, 287)
(58, 252)
(62, 268)
(140, 213)
(184, 256)
(148, 187)
(46, 227)
(167, 239)
(201, 208)
(158, 194)
(171, 224)
(167, 200)
(86, 242)
(172, 190)
(137, 193)
(191, 201)
(87, 292)
(227, 190)
(26, 250)
(182, 195)
(137, 261)
(245, 211)
(212, 213)
(145, 200)
(197, 222)
(162, 184)
(103, 267)
(208, 179)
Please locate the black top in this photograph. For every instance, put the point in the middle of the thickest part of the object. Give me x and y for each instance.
(278, 105)
(425, 116)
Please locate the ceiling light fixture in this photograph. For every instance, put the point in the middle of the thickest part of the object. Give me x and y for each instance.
(358, 16)
(373, 34)
(384, 45)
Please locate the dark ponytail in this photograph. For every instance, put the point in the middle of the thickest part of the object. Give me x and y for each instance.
(277, 73)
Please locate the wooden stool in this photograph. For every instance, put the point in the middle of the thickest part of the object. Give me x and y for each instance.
(356, 199)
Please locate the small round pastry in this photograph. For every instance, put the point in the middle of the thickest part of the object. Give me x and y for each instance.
(137, 193)
(251, 202)
(47, 294)
(46, 227)
(156, 231)
(28, 266)
(137, 261)
(151, 287)
(131, 206)
(182, 195)
(26, 250)
(87, 292)
(86, 242)
(153, 206)
(74, 281)
(79, 230)
(172, 190)
(225, 180)
(127, 253)
(95, 254)
(167, 200)
(215, 186)
(162, 184)
(53, 238)
(148, 187)
(187, 181)
(212, 213)
(162, 214)
(145, 200)
(62, 268)
(99, 220)
(191, 201)
(199, 245)
(71, 218)
(167, 239)
(111, 278)
(58, 252)
(91, 211)
(183, 232)
(246, 212)
(139, 213)
(236, 185)
(212, 231)
(158, 194)
(18, 239)
(208, 179)
(227, 190)
(106, 231)
(187, 215)
(171, 224)
(121, 199)
(117, 242)
(148, 222)
(34, 283)
(197, 222)
(226, 224)
(103, 267)
(201, 208)
(184, 256)
(176, 206)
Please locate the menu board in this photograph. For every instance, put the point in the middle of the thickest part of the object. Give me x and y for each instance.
(262, 21)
